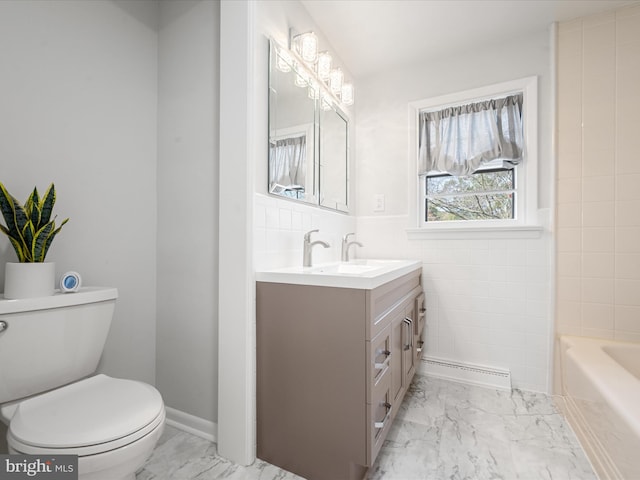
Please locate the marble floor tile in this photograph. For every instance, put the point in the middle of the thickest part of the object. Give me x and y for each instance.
(443, 431)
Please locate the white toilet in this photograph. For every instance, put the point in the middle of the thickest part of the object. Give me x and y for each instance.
(49, 348)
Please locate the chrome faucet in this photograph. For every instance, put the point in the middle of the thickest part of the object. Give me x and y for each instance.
(345, 246)
(308, 247)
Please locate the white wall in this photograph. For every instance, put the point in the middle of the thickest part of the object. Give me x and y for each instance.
(78, 85)
(488, 300)
(187, 256)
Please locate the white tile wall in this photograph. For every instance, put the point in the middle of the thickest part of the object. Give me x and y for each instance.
(279, 228)
(598, 199)
(488, 301)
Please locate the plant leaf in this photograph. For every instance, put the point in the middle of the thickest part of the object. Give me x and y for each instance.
(18, 247)
(6, 205)
(40, 241)
(46, 204)
(51, 237)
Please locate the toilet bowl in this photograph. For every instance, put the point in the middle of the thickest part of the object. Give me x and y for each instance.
(111, 424)
(52, 401)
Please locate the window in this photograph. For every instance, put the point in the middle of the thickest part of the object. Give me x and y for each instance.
(475, 158)
(483, 195)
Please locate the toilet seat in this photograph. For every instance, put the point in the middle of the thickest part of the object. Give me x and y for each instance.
(88, 417)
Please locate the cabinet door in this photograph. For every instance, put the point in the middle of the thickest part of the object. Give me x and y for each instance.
(398, 342)
(408, 344)
(421, 312)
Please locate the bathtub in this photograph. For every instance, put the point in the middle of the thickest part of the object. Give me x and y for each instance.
(601, 392)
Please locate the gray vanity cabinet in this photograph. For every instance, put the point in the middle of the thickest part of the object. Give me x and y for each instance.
(332, 367)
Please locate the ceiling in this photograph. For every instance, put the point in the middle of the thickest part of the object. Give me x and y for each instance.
(375, 35)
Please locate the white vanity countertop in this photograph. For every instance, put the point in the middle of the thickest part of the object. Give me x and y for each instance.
(362, 273)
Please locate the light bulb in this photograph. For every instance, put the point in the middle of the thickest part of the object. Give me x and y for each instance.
(324, 65)
(307, 47)
(335, 81)
(347, 94)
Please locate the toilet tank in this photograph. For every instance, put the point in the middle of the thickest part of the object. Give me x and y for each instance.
(52, 341)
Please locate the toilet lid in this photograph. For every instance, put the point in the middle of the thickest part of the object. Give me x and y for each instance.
(96, 410)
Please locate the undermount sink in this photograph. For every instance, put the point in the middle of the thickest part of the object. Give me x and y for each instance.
(360, 273)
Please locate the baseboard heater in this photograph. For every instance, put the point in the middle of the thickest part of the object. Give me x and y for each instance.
(466, 373)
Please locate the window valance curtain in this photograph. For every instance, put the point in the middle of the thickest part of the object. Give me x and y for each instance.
(287, 161)
(458, 140)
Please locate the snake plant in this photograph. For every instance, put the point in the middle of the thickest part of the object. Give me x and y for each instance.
(30, 228)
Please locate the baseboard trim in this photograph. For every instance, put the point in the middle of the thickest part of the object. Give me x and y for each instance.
(466, 373)
(191, 424)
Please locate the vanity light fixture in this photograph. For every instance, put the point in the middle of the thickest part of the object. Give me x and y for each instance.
(336, 77)
(347, 94)
(324, 65)
(306, 45)
(314, 70)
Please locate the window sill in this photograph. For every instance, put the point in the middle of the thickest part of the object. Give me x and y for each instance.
(475, 232)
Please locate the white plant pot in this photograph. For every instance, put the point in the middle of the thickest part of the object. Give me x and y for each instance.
(29, 280)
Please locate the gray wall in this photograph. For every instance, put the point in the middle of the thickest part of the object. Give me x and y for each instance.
(187, 260)
(117, 103)
(78, 89)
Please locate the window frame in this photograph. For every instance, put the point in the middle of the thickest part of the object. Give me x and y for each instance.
(525, 224)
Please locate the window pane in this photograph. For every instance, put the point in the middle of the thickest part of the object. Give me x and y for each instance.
(490, 180)
(470, 207)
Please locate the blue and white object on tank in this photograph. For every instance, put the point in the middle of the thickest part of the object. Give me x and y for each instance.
(70, 282)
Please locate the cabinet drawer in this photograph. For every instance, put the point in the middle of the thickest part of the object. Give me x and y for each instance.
(379, 355)
(383, 300)
(380, 415)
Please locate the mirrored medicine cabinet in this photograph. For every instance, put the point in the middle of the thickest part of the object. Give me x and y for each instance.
(308, 139)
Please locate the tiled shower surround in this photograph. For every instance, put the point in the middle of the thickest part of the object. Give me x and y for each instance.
(598, 196)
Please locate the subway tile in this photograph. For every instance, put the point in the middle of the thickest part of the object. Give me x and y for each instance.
(627, 213)
(597, 290)
(540, 273)
(626, 292)
(569, 289)
(627, 29)
(600, 21)
(574, 330)
(599, 160)
(598, 214)
(569, 190)
(569, 161)
(598, 315)
(569, 264)
(598, 240)
(598, 189)
(570, 214)
(627, 266)
(627, 187)
(627, 318)
(628, 11)
(569, 240)
(570, 26)
(568, 312)
(627, 239)
(598, 332)
(598, 265)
